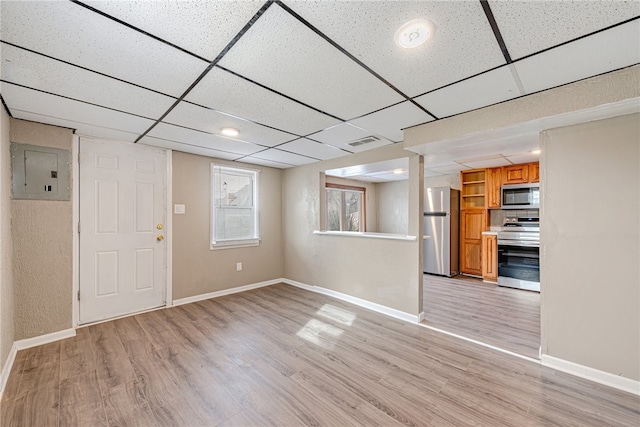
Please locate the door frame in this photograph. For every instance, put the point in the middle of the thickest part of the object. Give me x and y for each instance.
(75, 173)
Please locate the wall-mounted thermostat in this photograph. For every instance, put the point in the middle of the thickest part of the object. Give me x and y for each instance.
(40, 173)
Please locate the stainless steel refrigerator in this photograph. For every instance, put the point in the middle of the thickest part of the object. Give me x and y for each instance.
(441, 225)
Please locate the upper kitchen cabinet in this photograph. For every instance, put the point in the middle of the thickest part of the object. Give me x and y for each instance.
(534, 172)
(515, 174)
(473, 185)
(494, 182)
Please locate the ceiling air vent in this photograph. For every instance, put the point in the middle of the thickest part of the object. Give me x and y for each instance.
(362, 141)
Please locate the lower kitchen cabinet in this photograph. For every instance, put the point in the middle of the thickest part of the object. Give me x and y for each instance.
(490, 258)
(472, 224)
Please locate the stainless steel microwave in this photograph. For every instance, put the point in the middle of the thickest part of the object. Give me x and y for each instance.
(520, 196)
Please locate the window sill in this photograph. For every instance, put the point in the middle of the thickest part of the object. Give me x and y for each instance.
(234, 244)
(384, 236)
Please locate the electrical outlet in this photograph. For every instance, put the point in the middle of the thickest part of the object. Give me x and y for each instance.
(238, 266)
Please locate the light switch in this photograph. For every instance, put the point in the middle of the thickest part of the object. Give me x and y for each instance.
(179, 209)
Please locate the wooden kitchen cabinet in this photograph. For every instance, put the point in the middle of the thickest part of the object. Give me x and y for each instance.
(493, 184)
(473, 183)
(490, 258)
(515, 174)
(473, 223)
(534, 172)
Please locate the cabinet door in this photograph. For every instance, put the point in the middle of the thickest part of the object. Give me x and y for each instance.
(490, 258)
(494, 182)
(515, 174)
(534, 172)
(471, 259)
(473, 223)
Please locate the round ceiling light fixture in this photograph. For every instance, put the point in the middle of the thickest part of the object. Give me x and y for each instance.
(536, 151)
(398, 171)
(230, 131)
(414, 33)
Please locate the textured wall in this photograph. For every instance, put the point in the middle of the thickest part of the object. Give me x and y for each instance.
(199, 270)
(393, 207)
(6, 268)
(590, 244)
(42, 247)
(386, 272)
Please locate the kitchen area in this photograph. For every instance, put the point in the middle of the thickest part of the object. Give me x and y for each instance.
(481, 257)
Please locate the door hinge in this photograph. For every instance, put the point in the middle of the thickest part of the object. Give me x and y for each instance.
(78, 157)
(78, 295)
(78, 227)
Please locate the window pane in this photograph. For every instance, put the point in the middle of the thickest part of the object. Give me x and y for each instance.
(333, 209)
(352, 209)
(234, 190)
(234, 224)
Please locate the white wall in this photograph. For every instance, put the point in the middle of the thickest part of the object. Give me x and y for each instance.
(7, 330)
(393, 207)
(590, 244)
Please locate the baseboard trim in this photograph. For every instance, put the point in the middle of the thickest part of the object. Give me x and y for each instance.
(383, 309)
(6, 370)
(45, 339)
(595, 375)
(421, 317)
(224, 292)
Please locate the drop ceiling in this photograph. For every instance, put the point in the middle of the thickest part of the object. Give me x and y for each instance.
(301, 81)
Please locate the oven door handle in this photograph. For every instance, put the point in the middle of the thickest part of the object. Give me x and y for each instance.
(520, 243)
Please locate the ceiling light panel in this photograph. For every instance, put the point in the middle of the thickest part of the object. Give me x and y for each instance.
(39, 72)
(531, 26)
(283, 54)
(602, 52)
(75, 34)
(80, 128)
(313, 149)
(211, 121)
(32, 101)
(223, 91)
(187, 148)
(276, 155)
(203, 139)
(203, 27)
(486, 89)
(463, 44)
(390, 121)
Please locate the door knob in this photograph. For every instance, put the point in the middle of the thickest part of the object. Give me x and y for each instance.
(160, 238)
(159, 226)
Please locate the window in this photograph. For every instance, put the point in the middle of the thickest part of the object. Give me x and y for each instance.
(345, 208)
(234, 219)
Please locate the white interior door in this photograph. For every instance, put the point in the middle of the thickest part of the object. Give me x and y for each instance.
(123, 253)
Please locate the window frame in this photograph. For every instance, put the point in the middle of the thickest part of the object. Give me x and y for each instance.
(254, 174)
(363, 206)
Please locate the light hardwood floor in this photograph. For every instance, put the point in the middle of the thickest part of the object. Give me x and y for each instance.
(284, 356)
(504, 317)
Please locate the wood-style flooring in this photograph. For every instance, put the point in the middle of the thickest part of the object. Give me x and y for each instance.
(504, 317)
(283, 356)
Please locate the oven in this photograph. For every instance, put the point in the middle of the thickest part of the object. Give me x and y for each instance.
(519, 260)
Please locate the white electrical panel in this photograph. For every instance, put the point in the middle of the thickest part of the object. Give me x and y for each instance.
(40, 173)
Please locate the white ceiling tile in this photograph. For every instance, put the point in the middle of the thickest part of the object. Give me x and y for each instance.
(340, 134)
(369, 169)
(38, 72)
(449, 169)
(524, 158)
(223, 91)
(80, 128)
(486, 89)
(608, 50)
(187, 148)
(390, 121)
(203, 139)
(313, 149)
(211, 121)
(202, 27)
(29, 100)
(283, 54)
(531, 26)
(262, 162)
(490, 163)
(463, 44)
(75, 34)
(429, 173)
(276, 155)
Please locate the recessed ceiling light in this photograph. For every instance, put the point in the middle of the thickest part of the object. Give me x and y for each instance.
(398, 171)
(230, 131)
(414, 33)
(536, 151)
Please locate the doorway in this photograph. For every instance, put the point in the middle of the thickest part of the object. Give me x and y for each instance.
(122, 224)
